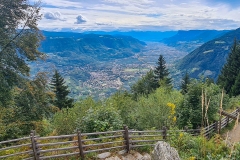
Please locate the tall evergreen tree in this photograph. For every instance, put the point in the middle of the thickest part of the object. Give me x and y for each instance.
(61, 91)
(235, 90)
(231, 69)
(185, 82)
(161, 73)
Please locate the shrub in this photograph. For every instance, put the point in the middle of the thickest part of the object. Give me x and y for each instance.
(100, 120)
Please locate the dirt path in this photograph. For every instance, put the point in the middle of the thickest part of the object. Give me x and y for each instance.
(234, 134)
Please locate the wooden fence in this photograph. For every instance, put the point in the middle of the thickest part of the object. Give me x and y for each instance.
(82, 144)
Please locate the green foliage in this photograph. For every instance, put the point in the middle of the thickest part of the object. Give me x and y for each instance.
(127, 107)
(152, 80)
(184, 84)
(17, 45)
(61, 92)
(161, 73)
(100, 119)
(235, 88)
(198, 147)
(156, 106)
(145, 85)
(229, 77)
(29, 106)
(191, 112)
(64, 121)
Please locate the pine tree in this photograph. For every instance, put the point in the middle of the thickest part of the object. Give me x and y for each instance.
(161, 73)
(231, 69)
(235, 90)
(61, 91)
(185, 82)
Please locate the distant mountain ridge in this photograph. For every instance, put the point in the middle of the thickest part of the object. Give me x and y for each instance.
(190, 40)
(208, 59)
(146, 36)
(99, 47)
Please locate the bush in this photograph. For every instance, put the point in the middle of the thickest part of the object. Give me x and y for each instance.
(100, 120)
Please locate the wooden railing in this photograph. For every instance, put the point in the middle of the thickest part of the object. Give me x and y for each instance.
(81, 144)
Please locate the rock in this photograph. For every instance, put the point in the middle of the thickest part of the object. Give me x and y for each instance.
(104, 155)
(146, 156)
(128, 157)
(163, 151)
(137, 156)
(122, 152)
(113, 158)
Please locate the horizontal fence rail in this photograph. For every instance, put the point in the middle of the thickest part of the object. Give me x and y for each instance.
(35, 147)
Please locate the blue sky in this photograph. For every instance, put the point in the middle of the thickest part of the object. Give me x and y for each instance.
(124, 15)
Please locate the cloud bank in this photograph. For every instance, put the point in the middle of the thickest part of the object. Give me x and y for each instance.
(140, 14)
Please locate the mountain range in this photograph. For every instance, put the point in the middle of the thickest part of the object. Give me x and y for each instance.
(209, 58)
(189, 40)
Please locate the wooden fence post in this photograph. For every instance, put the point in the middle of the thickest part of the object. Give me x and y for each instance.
(80, 146)
(199, 129)
(186, 129)
(34, 145)
(126, 137)
(164, 133)
(220, 126)
(216, 126)
(227, 120)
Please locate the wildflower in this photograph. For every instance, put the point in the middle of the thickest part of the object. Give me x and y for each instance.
(174, 119)
(180, 135)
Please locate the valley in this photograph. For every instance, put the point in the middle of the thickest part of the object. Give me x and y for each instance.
(99, 79)
(98, 65)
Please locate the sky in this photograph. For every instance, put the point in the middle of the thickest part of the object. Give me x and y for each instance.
(140, 15)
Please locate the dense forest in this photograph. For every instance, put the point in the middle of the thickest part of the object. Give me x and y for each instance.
(42, 103)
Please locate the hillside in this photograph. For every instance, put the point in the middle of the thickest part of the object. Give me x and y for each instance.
(209, 58)
(189, 40)
(99, 47)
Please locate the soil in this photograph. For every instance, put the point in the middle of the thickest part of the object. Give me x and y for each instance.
(234, 134)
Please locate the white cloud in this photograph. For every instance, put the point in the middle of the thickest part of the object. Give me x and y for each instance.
(53, 16)
(140, 14)
(80, 19)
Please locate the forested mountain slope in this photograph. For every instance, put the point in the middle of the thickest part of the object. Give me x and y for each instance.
(99, 47)
(209, 58)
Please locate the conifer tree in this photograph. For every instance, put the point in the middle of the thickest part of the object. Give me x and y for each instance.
(161, 73)
(231, 69)
(61, 91)
(185, 82)
(235, 90)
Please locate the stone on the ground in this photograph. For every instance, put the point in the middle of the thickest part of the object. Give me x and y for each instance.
(122, 152)
(146, 156)
(137, 155)
(163, 151)
(128, 157)
(104, 155)
(113, 158)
